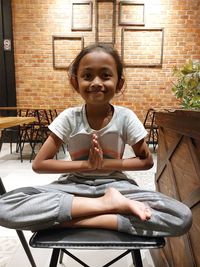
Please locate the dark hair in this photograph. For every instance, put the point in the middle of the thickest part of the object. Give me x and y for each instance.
(107, 48)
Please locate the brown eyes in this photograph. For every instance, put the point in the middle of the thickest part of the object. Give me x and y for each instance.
(89, 76)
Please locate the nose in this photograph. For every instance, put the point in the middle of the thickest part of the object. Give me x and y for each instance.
(96, 82)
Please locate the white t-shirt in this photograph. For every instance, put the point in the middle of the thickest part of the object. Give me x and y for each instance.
(72, 127)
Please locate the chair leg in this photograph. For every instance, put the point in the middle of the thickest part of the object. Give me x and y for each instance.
(0, 144)
(117, 258)
(1, 139)
(74, 257)
(20, 146)
(11, 146)
(63, 149)
(61, 256)
(136, 256)
(26, 247)
(54, 257)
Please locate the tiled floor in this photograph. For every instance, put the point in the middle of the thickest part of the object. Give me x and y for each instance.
(16, 174)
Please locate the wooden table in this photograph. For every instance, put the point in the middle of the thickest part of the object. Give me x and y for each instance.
(32, 108)
(11, 108)
(44, 114)
(6, 122)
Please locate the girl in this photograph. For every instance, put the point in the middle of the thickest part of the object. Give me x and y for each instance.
(94, 191)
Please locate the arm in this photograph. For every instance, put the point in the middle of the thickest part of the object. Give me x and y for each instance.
(142, 161)
(44, 162)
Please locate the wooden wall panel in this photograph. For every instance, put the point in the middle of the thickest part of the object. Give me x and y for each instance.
(178, 175)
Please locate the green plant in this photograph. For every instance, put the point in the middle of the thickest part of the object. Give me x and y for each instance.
(187, 87)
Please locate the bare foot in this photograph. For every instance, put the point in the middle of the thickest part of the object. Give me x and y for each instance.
(115, 201)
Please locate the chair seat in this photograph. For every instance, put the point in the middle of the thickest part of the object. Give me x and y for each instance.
(83, 238)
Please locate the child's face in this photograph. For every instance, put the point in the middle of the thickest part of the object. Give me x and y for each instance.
(97, 78)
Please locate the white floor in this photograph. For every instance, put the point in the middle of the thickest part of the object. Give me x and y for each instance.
(16, 174)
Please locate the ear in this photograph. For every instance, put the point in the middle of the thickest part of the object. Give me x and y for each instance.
(74, 83)
(120, 84)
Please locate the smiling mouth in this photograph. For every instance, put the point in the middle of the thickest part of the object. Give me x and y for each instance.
(96, 90)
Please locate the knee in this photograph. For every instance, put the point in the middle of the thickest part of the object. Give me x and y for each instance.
(7, 216)
(184, 222)
(187, 220)
(4, 216)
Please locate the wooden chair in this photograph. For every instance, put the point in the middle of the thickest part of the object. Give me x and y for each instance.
(20, 233)
(93, 239)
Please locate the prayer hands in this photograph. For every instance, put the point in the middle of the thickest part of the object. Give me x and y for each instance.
(95, 159)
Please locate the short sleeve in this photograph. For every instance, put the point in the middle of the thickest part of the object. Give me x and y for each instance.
(63, 124)
(135, 130)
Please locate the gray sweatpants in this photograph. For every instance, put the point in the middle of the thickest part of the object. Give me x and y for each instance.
(34, 208)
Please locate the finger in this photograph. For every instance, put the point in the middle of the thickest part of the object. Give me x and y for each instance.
(94, 143)
(99, 158)
(98, 144)
(94, 137)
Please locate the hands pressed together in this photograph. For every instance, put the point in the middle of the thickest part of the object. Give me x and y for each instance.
(95, 159)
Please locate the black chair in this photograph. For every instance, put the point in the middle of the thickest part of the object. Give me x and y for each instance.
(41, 131)
(151, 127)
(10, 135)
(19, 134)
(20, 233)
(93, 239)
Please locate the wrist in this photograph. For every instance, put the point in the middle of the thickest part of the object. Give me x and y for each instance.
(112, 164)
(86, 166)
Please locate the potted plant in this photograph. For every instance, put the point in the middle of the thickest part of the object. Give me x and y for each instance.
(187, 87)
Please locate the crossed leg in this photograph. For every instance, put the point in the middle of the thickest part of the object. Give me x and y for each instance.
(101, 212)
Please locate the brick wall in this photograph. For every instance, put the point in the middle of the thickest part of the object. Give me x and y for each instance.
(38, 84)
